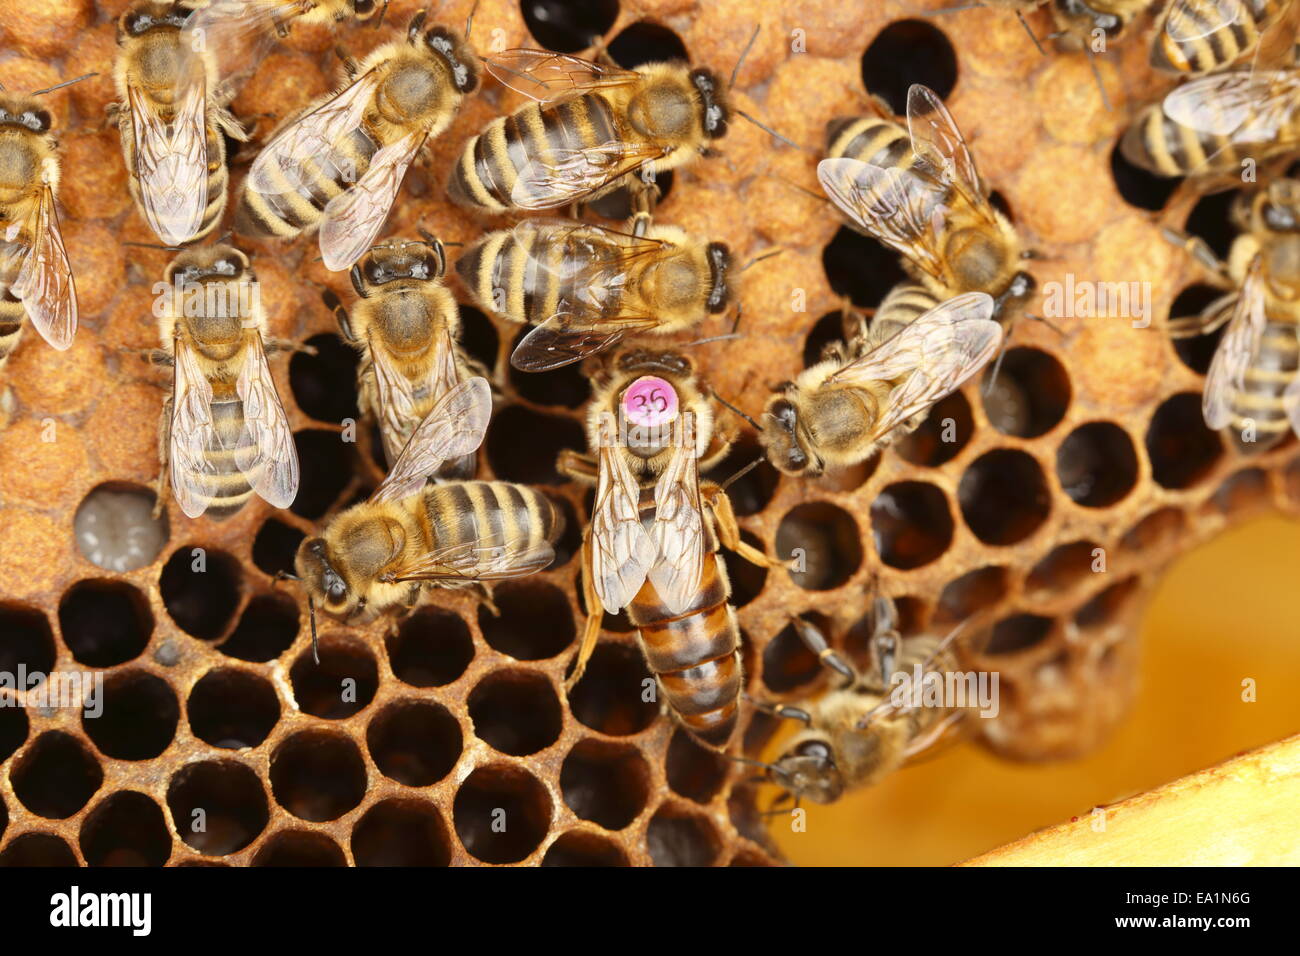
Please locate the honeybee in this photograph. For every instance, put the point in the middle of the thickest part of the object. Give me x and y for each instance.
(407, 327)
(339, 164)
(924, 199)
(1252, 389)
(224, 433)
(652, 543)
(589, 127)
(879, 387)
(857, 734)
(1206, 127)
(170, 123)
(380, 555)
(35, 275)
(585, 288)
(1198, 36)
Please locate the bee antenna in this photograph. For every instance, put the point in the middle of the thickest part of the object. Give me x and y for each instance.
(1096, 75)
(315, 643)
(383, 12)
(803, 189)
(59, 86)
(469, 20)
(750, 761)
(757, 259)
(735, 70)
(741, 474)
(726, 404)
(417, 21)
(1047, 322)
(767, 129)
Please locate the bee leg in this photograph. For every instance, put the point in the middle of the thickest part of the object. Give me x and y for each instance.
(284, 345)
(162, 482)
(577, 466)
(784, 711)
(227, 123)
(484, 594)
(340, 313)
(591, 630)
(932, 736)
(1210, 319)
(1199, 250)
(729, 531)
(815, 641)
(350, 65)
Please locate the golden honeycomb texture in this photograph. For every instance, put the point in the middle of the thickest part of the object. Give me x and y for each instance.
(402, 746)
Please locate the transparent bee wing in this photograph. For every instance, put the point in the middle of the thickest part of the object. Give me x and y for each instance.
(454, 427)
(353, 218)
(266, 453)
(547, 77)
(486, 559)
(1236, 352)
(567, 175)
(621, 550)
(171, 161)
(44, 282)
(937, 140)
(678, 529)
(236, 33)
(192, 432)
(397, 393)
(1247, 106)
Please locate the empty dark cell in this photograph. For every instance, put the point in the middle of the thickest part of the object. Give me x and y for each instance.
(139, 718)
(787, 661)
(104, 623)
(1097, 464)
(677, 839)
(200, 589)
(1030, 396)
(522, 445)
(299, 848)
(13, 731)
(617, 203)
(911, 620)
(126, 829)
(907, 52)
(605, 783)
(1136, 186)
(318, 775)
(232, 708)
(1211, 220)
(342, 684)
(824, 540)
(999, 202)
(566, 386)
(747, 579)
(750, 492)
(28, 640)
(1106, 607)
(1181, 448)
(516, 712)
(829, 328)
(970, 594)
(326, 471)
(1018, 633)
(1196, 352)
(570, 541)
(1064, 567)
(743, 809)
(401, 833)
(414, 742)
(1243, 491)
(37, 849)
(911, 524)
(265, 630)
(478, 336)
(535, 623)
(576, 848)
(275, 546)
(501, 814)
(1004, 497)
(567, 27)
(1155, 530)
(325, 384)
(646, 42)
(218, 806)
(695, 772)
(861, 268)
(944, 433)
(115, 527)
(55, 776)
(432, 647)
(616, 695)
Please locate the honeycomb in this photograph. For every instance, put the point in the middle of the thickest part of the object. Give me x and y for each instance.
(406, 747)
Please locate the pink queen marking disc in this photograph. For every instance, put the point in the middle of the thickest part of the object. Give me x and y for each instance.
(650, 401)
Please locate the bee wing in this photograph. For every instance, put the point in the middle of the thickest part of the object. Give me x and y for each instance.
(454, 427)
(1236, 352)
(487, 559)
(937, 140)
(621, 550)
(937, 352)
(44, 282)
(171, 162)
(192, 432)
(566, 338)
(566, 175)
(397, 393)
(266, 453)
(902, 209)
(547, 77)
(1246, 105)
(678, 530)
(305, 149)
(237, 32)
(353, 217)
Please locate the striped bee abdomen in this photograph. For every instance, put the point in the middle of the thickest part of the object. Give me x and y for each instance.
(903, 305)
(870, 139)
(494, 513)
(217, 175)
(1157, 143)
(12, 312)
(226, 487)
(1258, 408)
(1203, 35)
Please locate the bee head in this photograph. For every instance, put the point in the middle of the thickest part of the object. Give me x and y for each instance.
(219, 262)
(1279, 206)
(399, 259)
(714, 113)
(314, 564)
(782, 437)
(719, 264)
(452, 50)
(143, 17)
(25, 114)
(808, 771)
(1080, 20)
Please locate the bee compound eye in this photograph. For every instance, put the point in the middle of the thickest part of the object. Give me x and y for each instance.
(814, 749)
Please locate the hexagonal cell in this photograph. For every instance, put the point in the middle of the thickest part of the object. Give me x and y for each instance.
(973, 592)
(1155, 530)
(125, 829)
(1004, 496)
(266, 629)
(911, 524)
(569, 27)
(1019, 632)
(580, 848)
(217, 806)
(861, 268)
(38, 849)
(1106, 607)
(566, 387)
(275, 546)
(1064, 567)
(432, 648)
(611, 697)
(104, 623)
(676, 837)
(115, 528)
(941, 437)
(1138, 187)
(342, 684)
(414, 742)
(788, 664)
(907, 52)
(29, 640)
(536, 621)
(606, 783)
(1097, 465)
(140, 714)
(13, 730)
(825, 539)
(318, 775)
(751, 491)
(522, 444)
(1181, 448)
(516, 712)
(646, 42)
(1030, 395)
(912, 621)
(501, 813)
(1198, 351)
(200, 589)
(325, 384)
(326, 471)
(401, 832)
(746, 579)
(299, 848)
(829, 328)
(55, 776)
(232, 708)
(693, 771)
